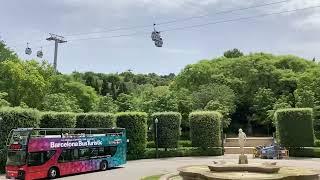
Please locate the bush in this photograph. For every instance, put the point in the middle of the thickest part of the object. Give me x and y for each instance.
(205, 127)
(12, 118)
(168, 128)
(317, 143)
(316, 123)
(95, 120)
(150, 153)
(184, 143)
(136, 128)
(305, 152)
(58, 120)
(294, 127)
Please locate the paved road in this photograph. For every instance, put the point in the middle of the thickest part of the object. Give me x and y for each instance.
(134, 170)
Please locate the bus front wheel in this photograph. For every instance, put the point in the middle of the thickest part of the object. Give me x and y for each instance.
(103, 166)
(53, 173)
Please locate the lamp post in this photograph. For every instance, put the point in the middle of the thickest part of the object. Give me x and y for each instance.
(156, 134)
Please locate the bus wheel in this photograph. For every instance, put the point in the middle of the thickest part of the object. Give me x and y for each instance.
(53, 173)
(103, 166)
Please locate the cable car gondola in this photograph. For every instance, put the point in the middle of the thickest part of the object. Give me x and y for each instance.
(40, 53)
(28, 50)
(156, 37)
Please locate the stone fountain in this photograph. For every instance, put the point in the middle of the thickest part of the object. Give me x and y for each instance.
(242, 170)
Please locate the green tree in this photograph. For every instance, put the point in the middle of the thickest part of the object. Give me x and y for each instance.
(125, 102)
(225, 111)
(60, 103)
(6, 53)
(106, 104)
(3, 102)
(85, 95)
(304, 98)
(25, 81)
(263, 102)
(234, 53)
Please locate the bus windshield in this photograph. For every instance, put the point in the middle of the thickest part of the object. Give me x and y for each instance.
(16, 158)
(19, 137)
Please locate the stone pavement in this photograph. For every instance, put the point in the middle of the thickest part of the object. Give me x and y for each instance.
(134, 170)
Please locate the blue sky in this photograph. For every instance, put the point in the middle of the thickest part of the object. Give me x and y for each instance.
(32, 20)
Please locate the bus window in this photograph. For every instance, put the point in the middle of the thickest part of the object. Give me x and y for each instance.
(75, 154)
(65, 156)
(39, 158)
(107, 151)
(84, 153)
(94, 152)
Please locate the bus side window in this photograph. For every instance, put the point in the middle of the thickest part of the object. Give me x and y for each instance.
(94, 152)
(110, 150)
(75, 154)
(39, 158)
(84, 153)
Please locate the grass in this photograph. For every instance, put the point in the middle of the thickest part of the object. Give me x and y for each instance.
(155, 177)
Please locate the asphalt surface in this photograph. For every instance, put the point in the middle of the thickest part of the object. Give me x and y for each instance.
(135, 170)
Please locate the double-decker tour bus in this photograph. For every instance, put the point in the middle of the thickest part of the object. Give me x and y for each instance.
(35, 153)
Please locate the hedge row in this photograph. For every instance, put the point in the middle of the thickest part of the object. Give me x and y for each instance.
(181, 143)
(168, 128)
(150, 153)
(205, 127)
(136, 128)
(294, 127)
(95, 120)
(11, 118)
(305, 152)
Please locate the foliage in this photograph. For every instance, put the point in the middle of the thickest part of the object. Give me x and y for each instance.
(60, 102)
(305, 152)
(225, 112)
(106, 104)
(180, 152)
(95, 120)
(168, 128)
(11, 118)
(263, 102)
(234, 53)
(181, 143)
(295, 127)
(3, 102)
(205, 127)
(304, 98)
(316, 122)
(6, 53)
(317, 143)
(86, 96)
(58, 120)
(135, 124)
(125, 102)
(25, 81)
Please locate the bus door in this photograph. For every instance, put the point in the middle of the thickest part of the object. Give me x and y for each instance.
(36, 162)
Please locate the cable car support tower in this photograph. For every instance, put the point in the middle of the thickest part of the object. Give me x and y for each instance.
(57, 39)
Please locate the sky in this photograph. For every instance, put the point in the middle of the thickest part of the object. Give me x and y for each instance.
(295, 33)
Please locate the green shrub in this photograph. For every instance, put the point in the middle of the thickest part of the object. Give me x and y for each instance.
(185, 143)
(12, 118)
(135, 124)
(205, 127)
(168, 128)
(58, 120)
(305, 152)
(316, 122)
(294, 127)
(317, 143)
(95, 120)
(150, 153)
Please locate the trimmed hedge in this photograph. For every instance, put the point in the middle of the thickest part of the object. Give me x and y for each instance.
(205, 128)
(150, 153)
(95, 120)
(316, 122)
(12, 118)
(184, 143)
(305, 152)
(294, 127)
(136, 128)
(58, 120)
(168, 128)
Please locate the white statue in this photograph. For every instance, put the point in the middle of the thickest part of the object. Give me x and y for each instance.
(242, 140)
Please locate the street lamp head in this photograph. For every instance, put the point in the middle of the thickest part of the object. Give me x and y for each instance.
(156, 121)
